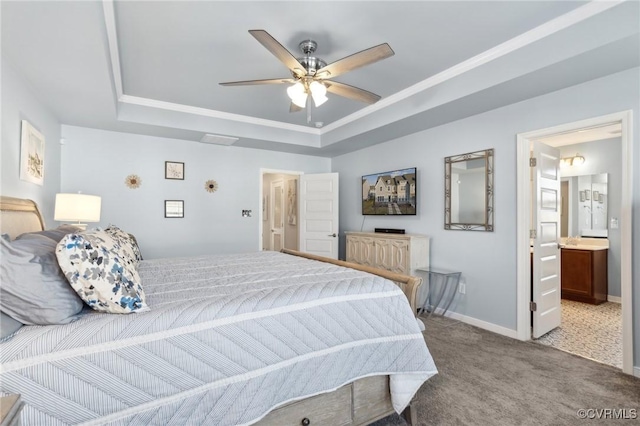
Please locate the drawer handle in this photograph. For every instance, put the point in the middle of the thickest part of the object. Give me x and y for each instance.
(305, 422)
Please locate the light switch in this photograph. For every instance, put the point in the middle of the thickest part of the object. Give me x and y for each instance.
(246, 213)
(614, 223)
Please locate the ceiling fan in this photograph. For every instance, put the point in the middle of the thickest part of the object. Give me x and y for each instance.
(311, 75)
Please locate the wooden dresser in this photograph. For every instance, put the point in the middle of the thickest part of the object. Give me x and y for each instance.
(584, 275)
(399, 253)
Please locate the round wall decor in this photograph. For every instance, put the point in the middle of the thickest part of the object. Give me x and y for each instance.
(211, 186)
(133, 181)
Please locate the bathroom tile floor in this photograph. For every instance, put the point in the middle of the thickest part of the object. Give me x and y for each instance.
(590, 331)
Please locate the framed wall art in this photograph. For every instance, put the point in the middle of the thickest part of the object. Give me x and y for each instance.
(31, 154)
(173, 170)
(174, 209)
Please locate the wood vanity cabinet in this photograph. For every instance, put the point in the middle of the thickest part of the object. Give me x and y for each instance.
(584, 275)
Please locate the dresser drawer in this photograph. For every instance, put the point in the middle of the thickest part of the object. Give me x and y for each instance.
(326, 409)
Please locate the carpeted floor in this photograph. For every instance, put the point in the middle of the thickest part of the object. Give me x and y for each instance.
(592, 331)
(488, 379)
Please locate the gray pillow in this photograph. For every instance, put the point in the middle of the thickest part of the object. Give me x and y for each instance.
(6, 237)
(55, 234)
(8, 325)
(34, 290)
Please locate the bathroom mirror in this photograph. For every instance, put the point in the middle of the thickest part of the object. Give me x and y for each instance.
(584, 206)
(468, 191)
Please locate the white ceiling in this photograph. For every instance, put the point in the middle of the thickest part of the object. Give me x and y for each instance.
(154, 67)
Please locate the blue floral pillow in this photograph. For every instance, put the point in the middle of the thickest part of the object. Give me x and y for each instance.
(100, 271)
(126, 241)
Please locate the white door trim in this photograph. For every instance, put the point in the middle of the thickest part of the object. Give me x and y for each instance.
(524, 220)
(263, 172)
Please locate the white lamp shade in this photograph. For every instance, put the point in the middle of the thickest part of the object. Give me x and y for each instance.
(298, 94)
(77, 207)
(318, 93)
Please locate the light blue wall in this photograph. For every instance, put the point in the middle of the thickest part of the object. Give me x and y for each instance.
(487, 259)
(603, 156)
(97, 162)
(19, 103)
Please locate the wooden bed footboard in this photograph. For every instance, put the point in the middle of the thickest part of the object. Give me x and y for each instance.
(407, 283)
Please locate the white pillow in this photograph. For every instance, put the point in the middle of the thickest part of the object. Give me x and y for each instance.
(101, 272)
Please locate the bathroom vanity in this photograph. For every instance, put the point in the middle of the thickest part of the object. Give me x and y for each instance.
(584, 271)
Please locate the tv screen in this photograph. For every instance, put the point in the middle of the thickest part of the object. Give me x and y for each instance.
(390, 193)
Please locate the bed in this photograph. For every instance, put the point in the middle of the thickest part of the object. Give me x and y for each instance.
(264, 338)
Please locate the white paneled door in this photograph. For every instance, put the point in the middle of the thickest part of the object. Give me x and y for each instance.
(546, 248)
(319, 214)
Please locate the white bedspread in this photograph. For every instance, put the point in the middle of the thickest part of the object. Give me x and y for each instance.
(227, 339)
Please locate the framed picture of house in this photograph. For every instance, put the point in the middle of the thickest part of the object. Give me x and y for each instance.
(174, 209)
(173, 170)
(390, 193)
(31, 154)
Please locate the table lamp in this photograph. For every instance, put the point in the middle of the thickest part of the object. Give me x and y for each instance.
(77, 208)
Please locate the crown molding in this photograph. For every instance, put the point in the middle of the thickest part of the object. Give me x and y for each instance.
(114, 52)
(548, 28)
(205, 112)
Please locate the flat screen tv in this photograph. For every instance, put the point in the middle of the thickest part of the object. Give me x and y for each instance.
(390, 193)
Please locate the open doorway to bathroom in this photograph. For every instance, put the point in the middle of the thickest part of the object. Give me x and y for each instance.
(590, 203)
(279, 210)
(618, 234)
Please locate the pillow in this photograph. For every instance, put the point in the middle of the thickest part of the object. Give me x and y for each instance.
(98, 270)
(8, 325)
(127, 241)
(34, 290)
(54, 234)
(6, 237)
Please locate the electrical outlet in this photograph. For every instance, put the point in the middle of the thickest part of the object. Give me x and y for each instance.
(462, 288)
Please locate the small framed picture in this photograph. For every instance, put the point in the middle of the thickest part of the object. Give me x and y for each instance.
(601, 199)
(174, 208)
(587, 194)
(31, 154)
(173, 170)
(582, 198)
(596, 195)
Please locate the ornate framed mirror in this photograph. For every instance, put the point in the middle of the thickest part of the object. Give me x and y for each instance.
(468, 191)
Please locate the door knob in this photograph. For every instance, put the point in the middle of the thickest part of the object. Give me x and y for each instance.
(332, 235)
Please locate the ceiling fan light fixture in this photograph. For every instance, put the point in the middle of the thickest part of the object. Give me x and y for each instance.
(318, 93)
(298, 94)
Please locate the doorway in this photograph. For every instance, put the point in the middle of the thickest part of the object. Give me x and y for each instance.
(590, 185)
(279, 218)
(526, 203)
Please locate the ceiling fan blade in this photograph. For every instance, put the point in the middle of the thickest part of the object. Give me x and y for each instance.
(279, 51)
(294, 108)
(351, 92)
(357, 60)
(255, 82)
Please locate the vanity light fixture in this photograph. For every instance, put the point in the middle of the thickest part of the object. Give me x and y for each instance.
(576, 160)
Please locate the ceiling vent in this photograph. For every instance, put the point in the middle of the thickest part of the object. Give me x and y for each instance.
(218, 140)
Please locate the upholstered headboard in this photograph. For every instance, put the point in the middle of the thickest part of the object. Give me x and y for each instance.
(19, 215)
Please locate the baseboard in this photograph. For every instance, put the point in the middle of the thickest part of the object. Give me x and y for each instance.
(498, 329)
(614, 299)
(636, 371)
